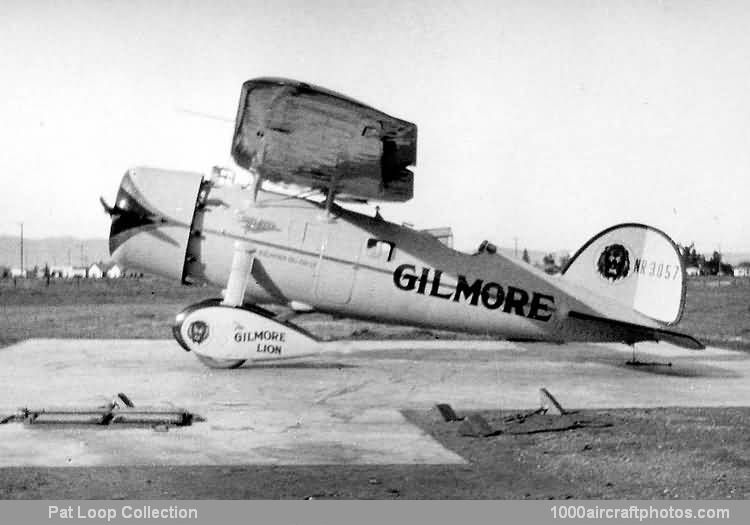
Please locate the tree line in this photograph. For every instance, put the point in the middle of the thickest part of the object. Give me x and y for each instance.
(706, 266)
(713, 265)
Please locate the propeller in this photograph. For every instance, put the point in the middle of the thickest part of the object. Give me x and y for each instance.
(112, 211)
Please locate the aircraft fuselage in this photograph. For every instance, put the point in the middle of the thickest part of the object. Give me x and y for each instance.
(338, 261)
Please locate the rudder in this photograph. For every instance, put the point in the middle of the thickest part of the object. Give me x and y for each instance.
(636, 265)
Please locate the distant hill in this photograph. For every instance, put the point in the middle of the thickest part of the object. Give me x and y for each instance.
(53, 251)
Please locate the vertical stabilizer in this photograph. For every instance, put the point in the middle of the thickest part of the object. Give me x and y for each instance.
(636, 265)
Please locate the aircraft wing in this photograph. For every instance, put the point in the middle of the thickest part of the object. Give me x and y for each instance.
(293, 132)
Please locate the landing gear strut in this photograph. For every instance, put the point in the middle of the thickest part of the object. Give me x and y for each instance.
(636, 362)
(224, 333)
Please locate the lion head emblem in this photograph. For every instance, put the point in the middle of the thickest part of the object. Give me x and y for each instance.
(198, 331)
(614, 262)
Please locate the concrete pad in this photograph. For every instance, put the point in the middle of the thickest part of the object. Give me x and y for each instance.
(277, 418)
(578, 375)
(340, 408)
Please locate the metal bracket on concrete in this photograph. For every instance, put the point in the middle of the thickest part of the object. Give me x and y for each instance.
(109, 415)
(447, 413)
(549, 403)
(476, 426)
(520, 418)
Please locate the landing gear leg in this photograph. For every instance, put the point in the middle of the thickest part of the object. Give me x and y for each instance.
(225, 332)
(635, 362)
(239, 275)
(234, 295)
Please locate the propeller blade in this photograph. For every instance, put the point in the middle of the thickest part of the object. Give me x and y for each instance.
(109, 210)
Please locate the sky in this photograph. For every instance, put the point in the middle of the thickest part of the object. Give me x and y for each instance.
(541, 121)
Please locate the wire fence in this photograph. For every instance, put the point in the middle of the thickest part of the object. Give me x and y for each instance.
(709, 281)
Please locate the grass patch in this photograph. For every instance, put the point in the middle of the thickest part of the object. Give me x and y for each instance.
(717, 312)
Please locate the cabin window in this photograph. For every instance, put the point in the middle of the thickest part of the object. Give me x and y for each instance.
(380, 250)
(314, 239)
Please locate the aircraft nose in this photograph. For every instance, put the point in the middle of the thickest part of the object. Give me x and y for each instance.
(151, 220)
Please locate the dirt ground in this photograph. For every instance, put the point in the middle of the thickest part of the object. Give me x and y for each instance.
(684, 453)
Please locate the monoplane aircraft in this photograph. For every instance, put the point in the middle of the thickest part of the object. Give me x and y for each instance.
(627, 284)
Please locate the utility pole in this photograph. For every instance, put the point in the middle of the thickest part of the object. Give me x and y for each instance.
(22, 267)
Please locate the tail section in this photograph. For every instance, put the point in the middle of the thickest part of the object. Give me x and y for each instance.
(632, 333)
(635, 265)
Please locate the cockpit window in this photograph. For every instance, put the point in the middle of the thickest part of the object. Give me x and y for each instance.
(379, 249)
(223, 176)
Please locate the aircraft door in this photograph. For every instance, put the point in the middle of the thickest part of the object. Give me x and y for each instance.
(338, 255)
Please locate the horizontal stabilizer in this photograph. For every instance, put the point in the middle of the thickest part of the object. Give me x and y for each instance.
(634, 333)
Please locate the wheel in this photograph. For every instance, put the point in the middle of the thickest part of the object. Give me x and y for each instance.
(219, 363)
